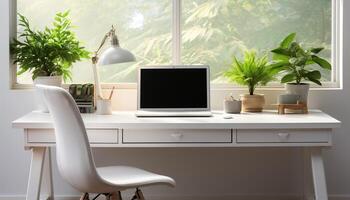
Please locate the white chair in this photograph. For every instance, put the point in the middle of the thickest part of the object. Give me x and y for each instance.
(74, 158)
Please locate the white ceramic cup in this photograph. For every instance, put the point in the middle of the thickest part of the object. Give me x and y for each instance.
(104, 107)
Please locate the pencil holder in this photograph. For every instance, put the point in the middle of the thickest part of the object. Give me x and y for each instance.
(103, 106)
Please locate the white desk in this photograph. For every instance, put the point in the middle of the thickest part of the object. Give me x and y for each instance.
(311, 132)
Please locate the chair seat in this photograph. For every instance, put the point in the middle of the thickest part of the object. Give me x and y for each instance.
(131, 177)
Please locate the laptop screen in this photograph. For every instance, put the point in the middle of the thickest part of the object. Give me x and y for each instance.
(173, 88)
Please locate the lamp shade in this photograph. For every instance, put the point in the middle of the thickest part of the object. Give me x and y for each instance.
(114, 55)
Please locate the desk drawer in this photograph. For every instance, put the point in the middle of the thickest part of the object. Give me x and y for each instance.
(177, 136)
(284, 136)
(96, 136)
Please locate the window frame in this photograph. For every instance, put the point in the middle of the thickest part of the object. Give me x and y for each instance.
(337, 52)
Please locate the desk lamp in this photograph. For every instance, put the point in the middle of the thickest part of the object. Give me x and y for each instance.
(112, 55)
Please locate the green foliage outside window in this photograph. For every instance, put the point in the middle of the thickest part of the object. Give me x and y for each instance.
(216, 30)
(213, 31)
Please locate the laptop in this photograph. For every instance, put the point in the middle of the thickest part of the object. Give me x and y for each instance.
(181, 91)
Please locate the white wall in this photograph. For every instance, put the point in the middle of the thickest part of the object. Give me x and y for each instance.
(205, 171)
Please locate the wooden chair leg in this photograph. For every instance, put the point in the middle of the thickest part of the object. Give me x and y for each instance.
(281, 109)
(114, 196)
(139, 194)
(85, 196)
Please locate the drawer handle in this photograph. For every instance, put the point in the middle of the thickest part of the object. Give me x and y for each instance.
(283, 136)
(177, 135)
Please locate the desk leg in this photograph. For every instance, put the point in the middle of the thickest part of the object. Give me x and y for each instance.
(309, 193)
(40, 171)
(47, 181)
(315, 162)
(318, 175)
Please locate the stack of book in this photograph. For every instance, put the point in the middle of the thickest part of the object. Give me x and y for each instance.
(83, 95)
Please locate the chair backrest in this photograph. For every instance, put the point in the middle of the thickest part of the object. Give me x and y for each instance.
(74, 158)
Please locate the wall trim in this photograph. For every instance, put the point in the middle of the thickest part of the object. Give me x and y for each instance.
(191, 197)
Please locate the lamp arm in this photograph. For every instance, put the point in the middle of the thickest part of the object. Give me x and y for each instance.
(101, 45)
(111, 34)
(94, 59)
(97, 81)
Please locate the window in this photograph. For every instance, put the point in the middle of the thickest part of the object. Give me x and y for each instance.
(142, 26)
(192, 31)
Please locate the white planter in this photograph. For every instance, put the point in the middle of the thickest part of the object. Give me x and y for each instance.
(299, 89)
(45, 80)
(232, 106)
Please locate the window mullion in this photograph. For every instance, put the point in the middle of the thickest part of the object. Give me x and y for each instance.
(176, 33)
(337, 42)
(13, 34)
(334, 38)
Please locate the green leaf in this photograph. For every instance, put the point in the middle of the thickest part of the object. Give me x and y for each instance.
(288, 78)
(316, 50)
(288, 40)
(315, 81)
(279, 57)
(322, 62)
(21, 71)
(58, 19)
(316, 75)
(66, 13)
(281, 51)
(279, 66)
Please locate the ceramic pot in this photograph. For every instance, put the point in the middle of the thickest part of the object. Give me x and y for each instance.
(45, 80)
(288, 99)
(232, 106)
(252, 103)
(302, 90)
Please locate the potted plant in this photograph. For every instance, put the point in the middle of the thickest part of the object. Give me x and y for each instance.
(252, 71)
(47, 54)
(297, 65)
